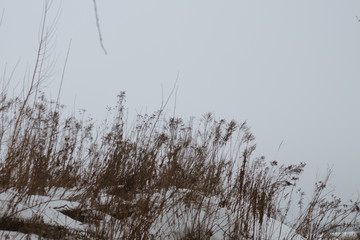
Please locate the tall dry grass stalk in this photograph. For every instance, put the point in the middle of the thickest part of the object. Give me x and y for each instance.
(159, 178)
(161, 170)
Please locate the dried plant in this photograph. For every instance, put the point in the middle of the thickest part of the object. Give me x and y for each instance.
(158, 178)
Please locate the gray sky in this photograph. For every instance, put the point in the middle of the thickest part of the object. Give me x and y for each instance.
(290, 68)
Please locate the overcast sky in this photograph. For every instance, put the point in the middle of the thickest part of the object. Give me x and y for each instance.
(290, 68)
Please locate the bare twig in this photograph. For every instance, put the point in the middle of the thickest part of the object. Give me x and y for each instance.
(280, 145)
(162, 108)
(63, 73)
(5, 84)
(98, 27)
(33, 85)
(177, 78)
(2, 16)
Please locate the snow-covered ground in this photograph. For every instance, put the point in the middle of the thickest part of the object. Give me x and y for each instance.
(173, 223)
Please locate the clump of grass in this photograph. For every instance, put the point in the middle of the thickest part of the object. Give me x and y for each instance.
(161, 177)
(161, 169)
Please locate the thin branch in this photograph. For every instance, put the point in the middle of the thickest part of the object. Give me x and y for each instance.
(177, 87)
(280, 145)
(162, 108)
(2, 16)
(33, 85)
(98, 27)
(6, 83)
(63, 73)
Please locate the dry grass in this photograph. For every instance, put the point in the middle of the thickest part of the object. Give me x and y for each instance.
(153, 180)
(159, 169)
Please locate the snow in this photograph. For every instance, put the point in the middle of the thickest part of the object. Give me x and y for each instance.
(45, 208)
(11, 235)
(173, 223)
